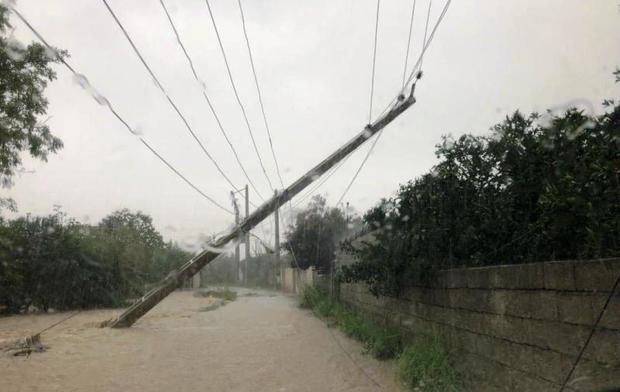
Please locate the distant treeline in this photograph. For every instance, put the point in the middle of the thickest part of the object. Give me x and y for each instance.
(55, 262)
(537, 188)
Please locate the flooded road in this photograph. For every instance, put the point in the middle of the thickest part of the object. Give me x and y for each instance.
(260, 342)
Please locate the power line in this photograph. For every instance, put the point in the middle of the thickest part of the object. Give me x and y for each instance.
(427, 43)
(413, 72)
(372, 88)
(245, 116)
(416, 71)
(104, 101)
(428, 17)
(359, 169)
(320, 183)
(206, 97)
(374, 61)
(182, 176)
(161, 88)
(260, 96)
(409, 41)
(592, 330)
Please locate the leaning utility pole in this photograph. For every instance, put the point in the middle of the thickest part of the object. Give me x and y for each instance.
(247, 238)
(171, 282)
(237, 265)
(277, 266)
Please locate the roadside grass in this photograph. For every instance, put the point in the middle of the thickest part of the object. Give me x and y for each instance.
(379, 342)
(423, 366)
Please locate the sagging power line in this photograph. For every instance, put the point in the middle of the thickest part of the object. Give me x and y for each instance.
(260, 95)
(105, 102)
(234, 87)
(163, 91)
(206, 97)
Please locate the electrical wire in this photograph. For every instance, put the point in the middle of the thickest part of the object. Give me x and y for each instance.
(428, 18)
(374, 61)
(409, 41)
(234, 87)
(418, 65)
(416, 71)
(321, 182)
(163, 90)
(107, 103)
(359, 169)
(206, 97)
(592, 330)
(260, 95)
(58, 322)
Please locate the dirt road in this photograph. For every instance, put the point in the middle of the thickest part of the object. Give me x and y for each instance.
(256, 343)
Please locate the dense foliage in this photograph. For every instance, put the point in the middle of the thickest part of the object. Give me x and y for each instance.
(537, 188)
(314, 237)
(24, 74)
(55, 262)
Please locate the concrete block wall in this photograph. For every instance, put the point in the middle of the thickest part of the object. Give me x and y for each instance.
(513, 327)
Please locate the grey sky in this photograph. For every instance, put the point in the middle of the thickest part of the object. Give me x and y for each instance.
(313, 60)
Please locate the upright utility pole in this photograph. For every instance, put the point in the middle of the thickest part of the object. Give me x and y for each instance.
(277, 266)
(237, 265)
(247, 238)
(171, 282)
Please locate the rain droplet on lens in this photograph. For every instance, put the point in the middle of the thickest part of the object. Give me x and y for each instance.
(101, 100)
(138, 130)
(81, 80)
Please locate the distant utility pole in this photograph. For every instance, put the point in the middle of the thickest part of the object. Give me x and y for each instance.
(237, 264)
(247, 237)
(196, 263)
(278, 266)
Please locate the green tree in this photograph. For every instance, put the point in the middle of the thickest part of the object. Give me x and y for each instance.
(314, 235)
(24, 74)
(128, 242)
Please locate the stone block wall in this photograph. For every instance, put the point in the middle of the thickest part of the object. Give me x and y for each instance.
(514, 327)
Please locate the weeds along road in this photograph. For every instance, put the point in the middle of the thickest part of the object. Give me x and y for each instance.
(261, 342)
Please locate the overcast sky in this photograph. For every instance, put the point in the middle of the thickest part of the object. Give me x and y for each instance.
(313, 60)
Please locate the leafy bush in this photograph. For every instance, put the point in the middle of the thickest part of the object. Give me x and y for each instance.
(425, 366)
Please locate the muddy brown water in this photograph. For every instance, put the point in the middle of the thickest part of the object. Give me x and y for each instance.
(258, 343)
